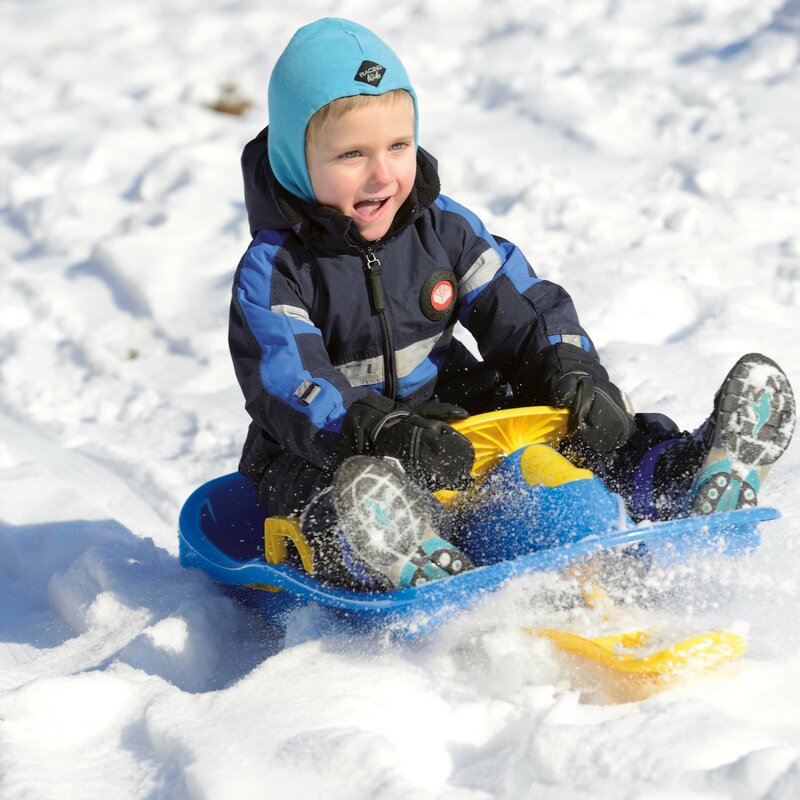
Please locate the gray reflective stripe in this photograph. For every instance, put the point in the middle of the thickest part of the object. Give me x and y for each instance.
(370, 370)
(572, 338)
(481, 272)
(295, 312)
(363, 373)
(409, 358)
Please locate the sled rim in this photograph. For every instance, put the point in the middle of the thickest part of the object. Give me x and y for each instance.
(438, 599)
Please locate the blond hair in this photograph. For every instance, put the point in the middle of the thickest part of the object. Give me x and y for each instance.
(342, 105)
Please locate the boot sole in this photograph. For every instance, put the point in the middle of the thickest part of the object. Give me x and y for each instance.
(754, 421)
(381, 512)
(755, 412)
(386, 521)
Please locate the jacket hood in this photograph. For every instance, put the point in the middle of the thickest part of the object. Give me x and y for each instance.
(325, 60)
(270, 206)
(263, 211)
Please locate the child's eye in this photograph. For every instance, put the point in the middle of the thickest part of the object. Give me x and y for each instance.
(351, 154)
(399, 146)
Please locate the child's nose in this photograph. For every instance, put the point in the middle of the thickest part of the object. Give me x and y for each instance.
(381, 173)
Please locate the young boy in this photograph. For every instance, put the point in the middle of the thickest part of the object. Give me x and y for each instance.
(341, 333)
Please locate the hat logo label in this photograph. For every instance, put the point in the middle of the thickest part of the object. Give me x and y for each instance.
(370, 73)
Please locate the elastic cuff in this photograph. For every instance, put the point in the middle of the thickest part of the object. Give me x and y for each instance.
(642, 505)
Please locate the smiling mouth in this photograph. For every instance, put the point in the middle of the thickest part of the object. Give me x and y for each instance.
(367, 209)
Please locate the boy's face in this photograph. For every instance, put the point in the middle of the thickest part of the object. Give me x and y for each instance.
(364, 162)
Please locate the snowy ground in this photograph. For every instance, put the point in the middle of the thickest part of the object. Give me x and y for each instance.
(645, 155)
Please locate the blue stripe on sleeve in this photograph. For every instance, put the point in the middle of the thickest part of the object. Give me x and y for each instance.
(424, 373)
(281, 369)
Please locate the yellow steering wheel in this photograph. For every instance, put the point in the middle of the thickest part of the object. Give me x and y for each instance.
(499, 433)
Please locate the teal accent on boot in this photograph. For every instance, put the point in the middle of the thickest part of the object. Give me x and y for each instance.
(720, 487)
(763, 409)
(418, 574)
(754, 479)
(445, 555)
(380, 514)
(723, 465)
(407, 575)
(730, 496)
(435, 559)
(715, 489)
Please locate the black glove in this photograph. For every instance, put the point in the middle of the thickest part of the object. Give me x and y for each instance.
(432, 453)
(479, 387)
(564, 376)
(446, 412)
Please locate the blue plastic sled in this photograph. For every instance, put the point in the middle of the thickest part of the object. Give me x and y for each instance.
(222, 533)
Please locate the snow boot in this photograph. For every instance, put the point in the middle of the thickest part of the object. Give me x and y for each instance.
(385, 526)
(749, 429)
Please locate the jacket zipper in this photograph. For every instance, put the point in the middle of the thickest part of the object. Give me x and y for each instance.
(373, 266)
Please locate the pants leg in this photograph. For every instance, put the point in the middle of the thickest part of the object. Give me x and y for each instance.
(291, 486)
(333, 560)
(653, 471)
(288, 483)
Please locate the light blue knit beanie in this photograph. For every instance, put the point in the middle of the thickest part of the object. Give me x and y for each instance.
(325, 60)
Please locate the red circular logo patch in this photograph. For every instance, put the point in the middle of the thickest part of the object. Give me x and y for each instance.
(442, 295)
(437, 296)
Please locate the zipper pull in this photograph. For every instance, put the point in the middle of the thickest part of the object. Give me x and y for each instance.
(376, 285)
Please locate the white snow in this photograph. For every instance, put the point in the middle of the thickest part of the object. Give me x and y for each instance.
(645, 155)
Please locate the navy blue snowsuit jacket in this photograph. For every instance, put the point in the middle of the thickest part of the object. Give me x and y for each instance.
(320, 317)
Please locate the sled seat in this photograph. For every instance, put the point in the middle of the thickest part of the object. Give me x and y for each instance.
(226, 513)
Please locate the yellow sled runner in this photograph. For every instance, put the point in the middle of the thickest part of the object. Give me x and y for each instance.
(626, 670)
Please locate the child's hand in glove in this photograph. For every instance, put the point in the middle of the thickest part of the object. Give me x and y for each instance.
(432, 453)
(599, 413)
